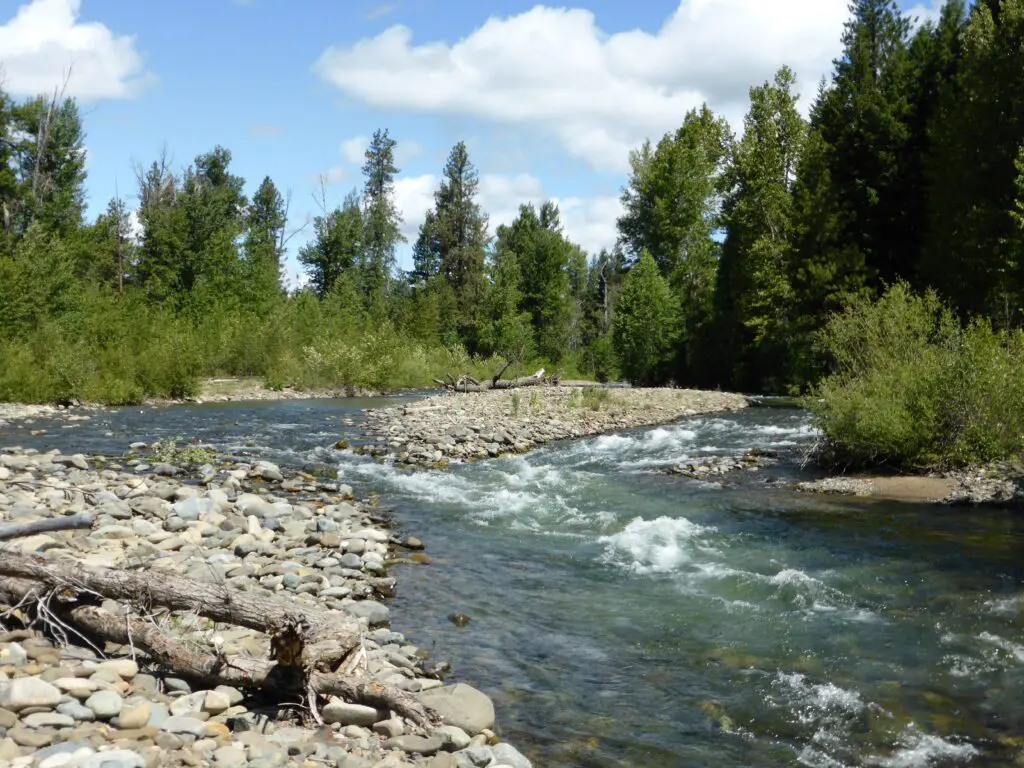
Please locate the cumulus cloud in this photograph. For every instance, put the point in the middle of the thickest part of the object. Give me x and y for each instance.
(45, 40)
(590, 221)
(556, 70)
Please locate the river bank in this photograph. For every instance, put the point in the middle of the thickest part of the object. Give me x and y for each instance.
(247, 526)
(479, 425)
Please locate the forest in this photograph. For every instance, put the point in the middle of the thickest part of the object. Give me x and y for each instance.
(735, 248)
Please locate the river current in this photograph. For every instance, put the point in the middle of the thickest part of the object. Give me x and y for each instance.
(623, 617)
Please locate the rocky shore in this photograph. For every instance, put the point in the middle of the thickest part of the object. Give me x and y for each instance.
(68, 701)
(468, 426)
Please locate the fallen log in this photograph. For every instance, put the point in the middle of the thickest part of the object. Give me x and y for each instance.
(469, 384)
(309, 639)
(16, 530)
(247, 673)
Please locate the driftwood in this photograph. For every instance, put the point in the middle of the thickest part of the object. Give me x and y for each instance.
(14, 530)
(467, 383)
(308, 643)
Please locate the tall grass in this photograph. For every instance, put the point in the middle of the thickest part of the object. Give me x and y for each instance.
(117, 351)
(914, 388)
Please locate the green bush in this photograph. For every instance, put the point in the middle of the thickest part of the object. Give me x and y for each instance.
(913, 388)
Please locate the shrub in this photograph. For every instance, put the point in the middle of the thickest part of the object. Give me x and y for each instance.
(913, 388)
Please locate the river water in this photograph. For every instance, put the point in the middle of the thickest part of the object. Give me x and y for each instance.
(622, 617)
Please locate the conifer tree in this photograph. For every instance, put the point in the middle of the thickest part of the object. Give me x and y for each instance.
(381, 220)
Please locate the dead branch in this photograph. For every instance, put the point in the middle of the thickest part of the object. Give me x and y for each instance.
(16, 530)
(211, 669)
(499, 374)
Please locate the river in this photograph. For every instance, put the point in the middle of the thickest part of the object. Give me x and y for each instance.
(622, 617)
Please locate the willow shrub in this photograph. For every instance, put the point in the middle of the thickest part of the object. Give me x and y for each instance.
(913, 388)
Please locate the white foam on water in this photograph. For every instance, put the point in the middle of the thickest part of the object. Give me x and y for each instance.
(1013, 649)
(661, 545)
(1006, 606)
(921, 750)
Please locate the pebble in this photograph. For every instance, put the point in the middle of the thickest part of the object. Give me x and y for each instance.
(135, 717)
(420, 745)
(105, 704)
(343, 713)
(32, 737)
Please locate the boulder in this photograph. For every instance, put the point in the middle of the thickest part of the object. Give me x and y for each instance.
(460, 705)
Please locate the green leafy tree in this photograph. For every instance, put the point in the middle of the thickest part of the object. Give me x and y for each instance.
(506, 330)
(337, 246)
(753, 291)
(50, 160)
(543, 254)
(672, 207)
(645, 331)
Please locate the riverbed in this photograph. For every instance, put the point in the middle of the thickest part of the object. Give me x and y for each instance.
(623, 617)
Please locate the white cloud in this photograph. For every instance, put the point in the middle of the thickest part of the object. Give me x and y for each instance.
(590, 222)
(413, 196)
(554, 69)
(45, 39)
(354, 150)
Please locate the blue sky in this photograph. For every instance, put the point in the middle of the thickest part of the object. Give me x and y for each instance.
(548, 98)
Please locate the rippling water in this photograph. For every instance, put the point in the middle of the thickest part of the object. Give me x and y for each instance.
(622, 617)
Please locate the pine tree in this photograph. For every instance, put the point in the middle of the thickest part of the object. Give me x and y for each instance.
(381, 219)
(265, 220)
(974, 254)
(453, 238)
(506, 330)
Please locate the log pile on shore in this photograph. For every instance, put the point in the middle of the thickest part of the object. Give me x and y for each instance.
(228, 615)
(496, 422)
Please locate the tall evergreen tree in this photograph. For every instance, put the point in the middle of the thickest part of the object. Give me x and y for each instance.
(453, 238)
(974, 254)
(381, 219)
(265, 221)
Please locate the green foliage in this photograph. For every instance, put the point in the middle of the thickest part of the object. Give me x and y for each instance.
(645, 329)
(336, 247)
(672, 207)
(914, 388)
(516, 401)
